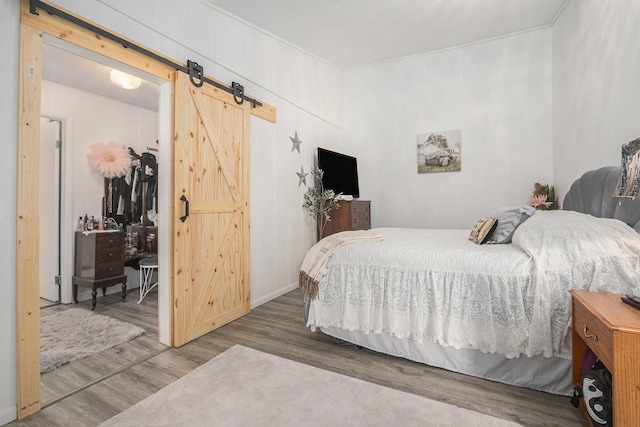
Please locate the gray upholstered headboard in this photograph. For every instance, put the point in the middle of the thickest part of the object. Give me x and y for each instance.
(592, 194)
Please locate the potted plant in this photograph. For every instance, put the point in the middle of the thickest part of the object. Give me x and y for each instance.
(319, 201)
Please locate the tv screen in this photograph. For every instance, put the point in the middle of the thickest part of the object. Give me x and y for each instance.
(340, 172)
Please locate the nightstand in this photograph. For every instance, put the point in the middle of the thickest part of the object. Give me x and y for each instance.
(99, 262)
(611, 328)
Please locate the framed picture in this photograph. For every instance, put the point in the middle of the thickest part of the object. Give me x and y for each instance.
(439, 151)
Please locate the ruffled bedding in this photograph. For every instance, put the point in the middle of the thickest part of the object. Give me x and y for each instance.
(436, 285)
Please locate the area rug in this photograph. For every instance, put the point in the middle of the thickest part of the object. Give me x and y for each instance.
(76, 333)
(245, 387)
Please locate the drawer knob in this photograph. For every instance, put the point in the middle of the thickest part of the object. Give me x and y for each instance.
(589, 336)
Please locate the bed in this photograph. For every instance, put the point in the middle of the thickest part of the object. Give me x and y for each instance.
(496, 311)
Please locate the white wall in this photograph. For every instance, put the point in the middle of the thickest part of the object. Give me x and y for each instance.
(9, 36)
(89, 118)
(498, 93)
(596, 85)
(305, 91)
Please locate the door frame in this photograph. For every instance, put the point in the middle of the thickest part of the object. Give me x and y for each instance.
(32, 27)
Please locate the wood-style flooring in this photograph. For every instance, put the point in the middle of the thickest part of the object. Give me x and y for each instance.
(126, 374)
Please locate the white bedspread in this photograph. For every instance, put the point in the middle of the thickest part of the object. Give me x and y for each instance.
(510, 299)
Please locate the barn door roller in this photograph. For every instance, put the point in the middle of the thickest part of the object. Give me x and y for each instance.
(195, 71)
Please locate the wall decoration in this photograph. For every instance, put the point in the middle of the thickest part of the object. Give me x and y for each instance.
(111, 160)
(439, 151)
(296, 142)
(302, 177)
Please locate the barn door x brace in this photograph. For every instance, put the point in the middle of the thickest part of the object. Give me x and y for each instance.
(195, 71)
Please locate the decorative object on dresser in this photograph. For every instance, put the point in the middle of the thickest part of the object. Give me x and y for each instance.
(611, 329)
(99, 262)
(351, 215)
(318, 200)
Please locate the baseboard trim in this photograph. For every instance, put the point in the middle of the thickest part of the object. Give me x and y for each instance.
(273, 295)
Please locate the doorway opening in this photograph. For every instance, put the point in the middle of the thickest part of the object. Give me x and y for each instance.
(51, 196)
(82, 107)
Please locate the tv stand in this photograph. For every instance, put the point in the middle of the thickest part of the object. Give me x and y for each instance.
(351, 215)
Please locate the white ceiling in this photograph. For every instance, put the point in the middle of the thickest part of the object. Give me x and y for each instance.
(346, 33)
(352, 33)
(73, 66)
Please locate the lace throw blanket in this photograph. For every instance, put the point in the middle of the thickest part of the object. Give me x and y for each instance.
(316, 260)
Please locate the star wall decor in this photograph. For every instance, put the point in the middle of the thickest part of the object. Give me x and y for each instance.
(296, 142)
(302, 176)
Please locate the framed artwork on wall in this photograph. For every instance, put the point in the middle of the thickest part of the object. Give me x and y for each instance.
(439, 151)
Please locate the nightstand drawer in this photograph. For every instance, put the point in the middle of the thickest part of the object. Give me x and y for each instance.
(594, 333)
(109, 254)
(109, 269)
(361, 221)
(108, 240)
(360, 218)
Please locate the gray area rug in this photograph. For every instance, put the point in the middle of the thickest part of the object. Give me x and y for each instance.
(76, 333)
(245, 387)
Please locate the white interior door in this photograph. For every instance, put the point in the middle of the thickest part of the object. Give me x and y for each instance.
(50, 180)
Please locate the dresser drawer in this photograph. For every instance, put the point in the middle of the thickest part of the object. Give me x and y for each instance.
(109, 254)
(109, 269)
(108, 240)
(595, 333)
(360, 217)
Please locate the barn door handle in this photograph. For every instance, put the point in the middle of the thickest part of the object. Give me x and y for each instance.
(184, 199)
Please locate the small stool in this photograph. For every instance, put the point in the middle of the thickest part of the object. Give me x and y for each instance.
(147, 265)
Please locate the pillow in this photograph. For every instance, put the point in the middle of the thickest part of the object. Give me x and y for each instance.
(509, 219)
(482, 229)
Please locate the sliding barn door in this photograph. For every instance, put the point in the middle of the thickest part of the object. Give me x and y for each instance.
(211, 229)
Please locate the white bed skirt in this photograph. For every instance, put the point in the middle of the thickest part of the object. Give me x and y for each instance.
(548, 374)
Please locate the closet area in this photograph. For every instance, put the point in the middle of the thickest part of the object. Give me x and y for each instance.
(107, 174)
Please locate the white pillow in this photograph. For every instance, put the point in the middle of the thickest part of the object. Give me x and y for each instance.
(509, 219)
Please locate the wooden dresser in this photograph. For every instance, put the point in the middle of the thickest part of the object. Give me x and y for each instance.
(351, 215)
(611, 328)
(99, 262)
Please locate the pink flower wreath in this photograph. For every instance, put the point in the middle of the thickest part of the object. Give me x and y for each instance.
(112, 160)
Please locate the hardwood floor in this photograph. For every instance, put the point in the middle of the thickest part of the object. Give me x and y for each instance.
(277, 328)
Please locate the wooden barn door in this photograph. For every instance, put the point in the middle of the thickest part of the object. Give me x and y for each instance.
(211, 225)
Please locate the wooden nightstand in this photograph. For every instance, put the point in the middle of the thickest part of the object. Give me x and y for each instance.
(611, 328)
(99, 263)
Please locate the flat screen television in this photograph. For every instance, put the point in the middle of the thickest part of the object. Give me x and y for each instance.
(340, 172)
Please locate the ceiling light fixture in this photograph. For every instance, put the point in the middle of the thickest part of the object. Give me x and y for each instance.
(124, 80)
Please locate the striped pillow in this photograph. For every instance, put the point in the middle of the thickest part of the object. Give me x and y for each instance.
(482, 229)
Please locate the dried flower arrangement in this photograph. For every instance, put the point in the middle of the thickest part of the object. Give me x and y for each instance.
(544, 197)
